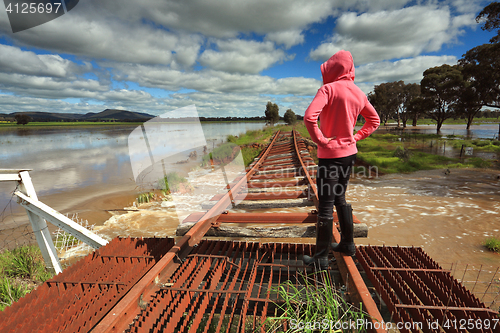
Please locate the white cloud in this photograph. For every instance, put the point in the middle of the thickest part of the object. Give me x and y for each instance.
(409, 70)
(216, 48)
(228, 18)
(11, 103)
(241, 56)
(468, 6)
(287, 38)
(101, 37)
(212, 81)
(386, 35)
(14, 60)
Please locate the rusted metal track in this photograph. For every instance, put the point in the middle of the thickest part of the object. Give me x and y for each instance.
(229, 217)
(417, 290)
(224, 287)
(76, 299)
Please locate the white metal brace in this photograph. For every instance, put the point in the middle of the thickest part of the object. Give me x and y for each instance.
(39, 213)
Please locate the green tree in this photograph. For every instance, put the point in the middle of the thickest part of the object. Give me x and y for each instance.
(22, 119)
(395, 98)
(383, 98)
(481, 67)
(290, 117)
(391, 100)
(468, 103)
(409, 93)
(272, 113)
(418, 106)
(490, 15)
(441, 87)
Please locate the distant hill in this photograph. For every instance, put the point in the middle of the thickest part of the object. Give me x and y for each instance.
(106, 115)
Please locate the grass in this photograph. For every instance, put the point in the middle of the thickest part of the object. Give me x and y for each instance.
(145, 197)
(493, 244)
(246, 141)
(11, 291)
(428, 121)
(21, 270)
(388, 154)
(313, 305)
(220, 155)
(486, 145)
(172, 183)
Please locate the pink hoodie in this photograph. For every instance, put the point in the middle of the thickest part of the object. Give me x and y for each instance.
(339, 101)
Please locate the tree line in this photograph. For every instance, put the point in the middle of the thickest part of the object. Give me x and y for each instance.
(458, 91)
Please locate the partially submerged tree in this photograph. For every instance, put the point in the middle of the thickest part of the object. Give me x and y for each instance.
(22, 119)
(440, 88)
(418, 106)
(290, 117)
(468, 104)
(391, 100)
(481, 67)
(272, 113)
(383, 100)
(410, 92)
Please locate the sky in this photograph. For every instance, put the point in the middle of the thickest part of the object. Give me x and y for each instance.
(227, 57)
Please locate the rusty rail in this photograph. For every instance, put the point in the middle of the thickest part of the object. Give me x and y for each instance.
(417, 290)
(76, 299)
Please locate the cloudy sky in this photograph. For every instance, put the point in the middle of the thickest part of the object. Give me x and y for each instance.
(227, 57)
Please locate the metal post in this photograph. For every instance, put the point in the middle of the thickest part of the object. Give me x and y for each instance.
(40, 227)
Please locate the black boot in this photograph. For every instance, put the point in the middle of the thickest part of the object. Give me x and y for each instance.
(323, 239)
(346, 245)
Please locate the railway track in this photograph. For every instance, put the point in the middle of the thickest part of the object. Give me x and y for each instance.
(196, 284)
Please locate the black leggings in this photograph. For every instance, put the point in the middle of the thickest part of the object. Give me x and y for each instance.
(332, 178)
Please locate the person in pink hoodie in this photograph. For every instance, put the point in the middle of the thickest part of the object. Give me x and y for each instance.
(337, 105)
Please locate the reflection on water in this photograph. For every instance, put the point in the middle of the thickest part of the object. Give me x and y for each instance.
(74, 164)
(484, 131)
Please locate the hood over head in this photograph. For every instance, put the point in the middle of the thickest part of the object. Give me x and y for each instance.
(339, 66)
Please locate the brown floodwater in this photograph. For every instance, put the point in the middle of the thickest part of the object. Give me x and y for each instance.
(449, 215)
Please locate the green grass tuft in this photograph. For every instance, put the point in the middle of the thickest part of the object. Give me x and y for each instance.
(315, 300)
(21, 269)
(145, 197)
(171, 183)
(493, 244)
(24, 262)
(11, 291)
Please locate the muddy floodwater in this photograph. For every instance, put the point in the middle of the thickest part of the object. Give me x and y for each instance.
(78, 170)
(87, 171)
